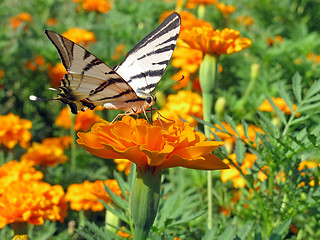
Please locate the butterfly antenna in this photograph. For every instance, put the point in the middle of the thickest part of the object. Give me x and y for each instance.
(166, 87)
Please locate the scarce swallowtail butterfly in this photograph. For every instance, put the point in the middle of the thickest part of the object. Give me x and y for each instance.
(89, 82)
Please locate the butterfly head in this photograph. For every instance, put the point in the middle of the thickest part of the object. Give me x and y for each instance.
(149, 101)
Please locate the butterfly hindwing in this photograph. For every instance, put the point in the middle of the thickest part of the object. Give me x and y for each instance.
(145, 64)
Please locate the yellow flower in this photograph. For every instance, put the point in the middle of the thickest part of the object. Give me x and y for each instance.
(48, 153)
(162, 145)
(184, 104)
(80, 36)
(56, 73)
(225, 9)
(86, 195)
(280, 103)
(84, 120)
(213, 42)
(14, 130)
(233, 172)
(17, 20)
(123, 165)
(32, 202)
(101, 6)
(21, 237)
(14, 171)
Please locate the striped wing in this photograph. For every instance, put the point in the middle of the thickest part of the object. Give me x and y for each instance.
(89, 82)
(145, 64)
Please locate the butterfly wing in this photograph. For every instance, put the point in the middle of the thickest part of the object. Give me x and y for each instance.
(145, 64)
(89, 82)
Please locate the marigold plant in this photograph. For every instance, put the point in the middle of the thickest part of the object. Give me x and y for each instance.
(14, 130)
(32, 202)
(280, 103)
(17, 20)
(165, 144)
(83, 122)
(80, 36)
(49, 152)
(184, 104)
(101, 6)
(86, 195)
(14, 171)
(213, 42)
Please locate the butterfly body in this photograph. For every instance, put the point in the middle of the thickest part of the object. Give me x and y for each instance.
(89, 82)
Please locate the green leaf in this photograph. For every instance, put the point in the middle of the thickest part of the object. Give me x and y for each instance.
(281, 231)
(309, 107)
(296, 87)
(245, 230)
(257, 232)
(245, 129)
(230, 121)
(268, 125)
(315, 88)
(228, 233)
(240, 151)
(277, 111)
(122, 184)
(118, 200)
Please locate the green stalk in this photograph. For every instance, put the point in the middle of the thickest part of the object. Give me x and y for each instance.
(208, 77)
(20, 228)
(73, 143)
(145, 196)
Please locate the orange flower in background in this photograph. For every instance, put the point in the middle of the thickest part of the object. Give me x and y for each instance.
(123, 165)
(17, 20)
(280, 103)
(49, 152)
(188, 20)
(85, 195)
(124, 234)
(101, 6)
(229, 135)
(38, 61)
(233, 173)
(272, 41)
(225, 9)
(307, 165)
(245, 20)
(187, 59)
(14, 130)
(83, 122)
(161, 145)
(119, 51)
(192, 3)
(80, 36)
(214, 42)
(313, 58)
(1, 73)
(32, 202)
(184, 104)
(183, 79)
(13, 171)
(56, 73)
(52, 21)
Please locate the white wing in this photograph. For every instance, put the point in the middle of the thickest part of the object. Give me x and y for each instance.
(145, 64)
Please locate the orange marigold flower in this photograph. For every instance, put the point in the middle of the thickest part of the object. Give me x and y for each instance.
(184, 104)
(161, 145)
(187, 77)
(101, 6)
(49, 152)
(228, 135)
(214, 42)
(245, 20)
(187, 59)
(32, 202)
(84, 120)
(225, 9)
(85, 195)
(56, 73)
(17, 20)
(13, 171)
(124, 234)
(307, 164)
(204, 2)
(14, 130)
(313, 58)
(1, 73)
(80, 36)
(52, 21)
(123, 165)
(188, 20)
(272, 41)
(119, 51)
(280, 103)
(39, 60)
(233, 172)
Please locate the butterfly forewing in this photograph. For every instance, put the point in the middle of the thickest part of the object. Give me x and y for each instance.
(90, 82)
(145, 64)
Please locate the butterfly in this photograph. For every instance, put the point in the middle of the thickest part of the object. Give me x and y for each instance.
(89, 82)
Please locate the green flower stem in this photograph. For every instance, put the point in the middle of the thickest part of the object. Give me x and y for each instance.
(20, 228)
(73, 143)
(111, 221)
(145, 196)
(208, 77)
